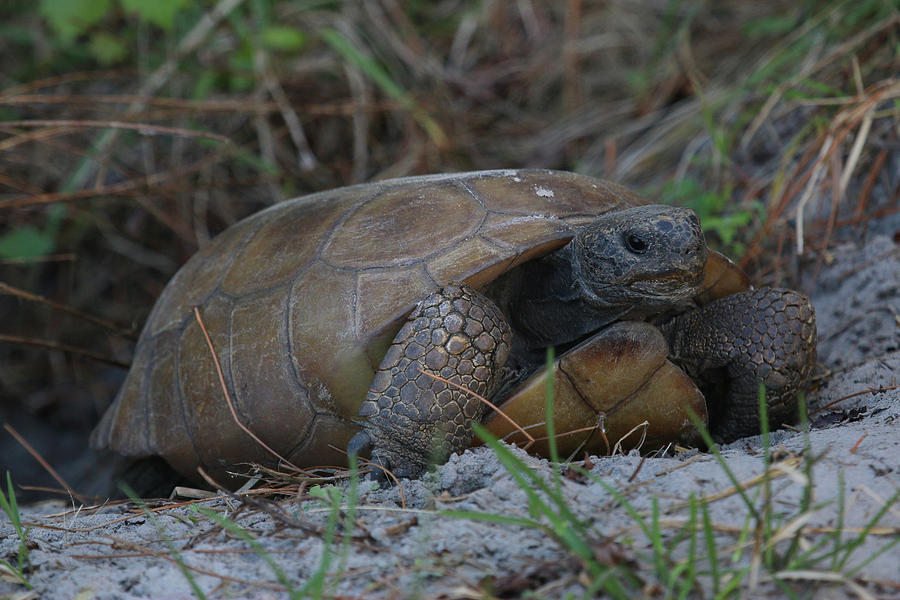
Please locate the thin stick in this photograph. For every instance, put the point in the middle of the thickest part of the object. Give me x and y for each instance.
(44, 463)
(485, 401)
(19, 293)
(234, 415)
(29, 260)
(143, 128)
(125, 188)
(873, 391)
(15, 339)
(570, 432)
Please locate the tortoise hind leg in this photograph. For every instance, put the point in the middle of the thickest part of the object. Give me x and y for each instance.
(411, 417)
(766, 335)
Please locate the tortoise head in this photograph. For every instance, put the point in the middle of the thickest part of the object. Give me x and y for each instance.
(650, 257)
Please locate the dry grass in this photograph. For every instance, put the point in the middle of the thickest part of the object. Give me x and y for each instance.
(784, 114)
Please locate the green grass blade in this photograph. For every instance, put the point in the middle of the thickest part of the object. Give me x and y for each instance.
(243, 534)
(689, 581)
(562, 519)
(709, 536)
(10, 504)
(526, 477)
(731, 586)
(473, 515)
(632, 512)
(656, 539)
(11, 508)
(350, 514)
(374, 71)
(768, 513)
(314, 587)
(717, 454)
(806, 498)
(839, 525)
(868, 559)
(15, 572)
(851, 546)
(563, 526)
(173, 551)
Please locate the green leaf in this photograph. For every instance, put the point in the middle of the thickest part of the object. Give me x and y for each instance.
(158, 12)
(107, 49)
(70, 18)
(26, 242)
(283, 38)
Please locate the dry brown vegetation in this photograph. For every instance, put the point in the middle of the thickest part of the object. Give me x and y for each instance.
(126, 145)
(775, 120)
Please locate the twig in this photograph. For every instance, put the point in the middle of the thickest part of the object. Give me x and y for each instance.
(143, 128)
(485, 401)
(234, 414)
(307, 160)
(268, 508)
(15, 339)
(125, 187)
(878, 390)
(19, 293)
(44, 463)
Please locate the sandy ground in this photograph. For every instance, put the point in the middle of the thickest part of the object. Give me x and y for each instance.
(416, 552)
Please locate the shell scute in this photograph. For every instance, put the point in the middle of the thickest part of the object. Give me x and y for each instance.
(206, 411)
(324, 343)
(277, 405)
(390, 295)
(549, 193)
(281, 246)
(197, 279)
(166, 425)
(403, 224)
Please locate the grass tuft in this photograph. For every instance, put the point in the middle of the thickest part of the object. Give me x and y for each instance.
(11, 509)
(693, 556)
(174, 553)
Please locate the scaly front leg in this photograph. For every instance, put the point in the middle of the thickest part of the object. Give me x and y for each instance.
(410, 418)
(766, 335)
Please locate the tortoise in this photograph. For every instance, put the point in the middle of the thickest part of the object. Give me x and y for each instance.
(369, 317)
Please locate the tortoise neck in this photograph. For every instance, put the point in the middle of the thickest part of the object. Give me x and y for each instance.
(552, 306)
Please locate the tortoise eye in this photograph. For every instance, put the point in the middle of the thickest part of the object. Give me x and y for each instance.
(636, 243)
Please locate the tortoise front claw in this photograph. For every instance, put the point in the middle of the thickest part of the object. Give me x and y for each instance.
(765, 336)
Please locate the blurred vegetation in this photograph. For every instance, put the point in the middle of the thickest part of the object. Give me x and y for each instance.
(132, 131)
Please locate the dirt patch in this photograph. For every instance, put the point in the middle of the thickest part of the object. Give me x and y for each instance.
(417, 552)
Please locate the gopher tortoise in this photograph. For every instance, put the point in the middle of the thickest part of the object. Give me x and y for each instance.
(371, 318)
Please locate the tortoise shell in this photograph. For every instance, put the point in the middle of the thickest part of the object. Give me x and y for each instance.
(302, 299)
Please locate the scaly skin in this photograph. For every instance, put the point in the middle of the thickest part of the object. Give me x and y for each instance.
(411, 417)
(766, 335)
